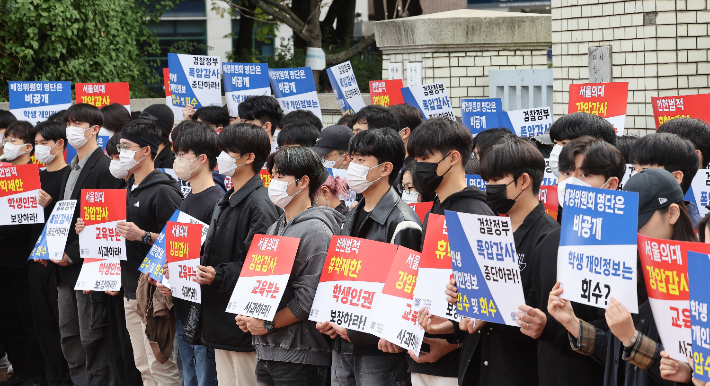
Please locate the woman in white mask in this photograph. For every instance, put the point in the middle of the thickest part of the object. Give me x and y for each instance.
(6, 118)
(330, 193)
(18, 143)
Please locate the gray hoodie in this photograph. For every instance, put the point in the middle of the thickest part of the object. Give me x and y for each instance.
(301, 342)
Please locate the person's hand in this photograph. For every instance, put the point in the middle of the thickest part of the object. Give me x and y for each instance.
(187, 112)
(44, 199)
(675, 371)
(64, 262)
(332, 330)
(113, 293)
(205, 275)
(562, 311)
(471, 325)
(165, 291)
(255, 326)
(166, 273)
(80, 225)
(434, 324)
(437, 349)
(531, 321)
(86, 292)
(41, 261)
(242, 322)
(353, 205)
(451, 291)
(385, 346)
(619, 321)
(130, 231)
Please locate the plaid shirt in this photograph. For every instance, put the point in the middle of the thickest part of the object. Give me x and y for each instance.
(584, 344)
(641, 354)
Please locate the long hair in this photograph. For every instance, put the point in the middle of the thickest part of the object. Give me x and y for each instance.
(683, 228)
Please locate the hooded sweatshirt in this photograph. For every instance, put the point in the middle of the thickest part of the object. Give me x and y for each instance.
(149, 206)
(301, 342)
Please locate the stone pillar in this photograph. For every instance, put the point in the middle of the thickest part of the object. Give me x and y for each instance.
(460, 47)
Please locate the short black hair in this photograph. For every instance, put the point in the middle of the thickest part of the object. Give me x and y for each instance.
(426, 195)
(346, 120)
(200, 139)
(625, 144)
(182, 126)
(245, 138)
(407, 116)
(136, 114)
(115, 117)
(376, 117)
(298, 162)
(21, 130)
(212, 115)
(577, 124)
(58, 116)
(112, 145)
(84, 112)
(298, 133)
(512, 155)
(601, 158)
(300, 116)
(383, 144)
(6, 118)
(443, 135)
(262, 107)
(669, 151)
(485, 137)
(144, 126)
(571, 150)
(694, 130)
(52, 131)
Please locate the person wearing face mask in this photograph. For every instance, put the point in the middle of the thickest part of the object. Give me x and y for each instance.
(575, 125)
(264, 111)
(330, 192)
(332, 146)
(244, 211)
(19, 140)
(513, 169)
(290, 350)
(85, 344)
(360, 358)
(6, 118)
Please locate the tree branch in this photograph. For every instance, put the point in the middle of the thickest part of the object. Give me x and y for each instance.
(333, 59)
(281, 13)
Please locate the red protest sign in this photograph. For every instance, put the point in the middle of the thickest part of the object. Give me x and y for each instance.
(386, 92)
(100, 206)
(182, 241)
(422, 208)
(354, 259)
(548, 196)
(103, 94)
(166, 81)
(270, 255)
(265, 177)
(402, 277)
(685, 106)
(18, 179)
(607, 100)
(435, 253)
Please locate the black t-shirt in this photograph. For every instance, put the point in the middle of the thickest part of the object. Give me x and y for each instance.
(360, 216)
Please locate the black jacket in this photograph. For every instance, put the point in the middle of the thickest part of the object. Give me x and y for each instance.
(235, 221)
(391, 221)
(164, 159)
(149, 206)
(94, 175)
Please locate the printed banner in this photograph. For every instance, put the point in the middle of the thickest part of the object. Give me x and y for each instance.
(698, 274)
(421, 208)
(607, 100)
(431, 99)
(19, 189)
(53, 239)
(295, 89)
(342, 79)
(664, 264)
(699, 192)
(526, 122)
(596, 259)
(627, 175)
(103, 94)
(351, 282)
(99, 275)
(182, 251)
(36, 101)
(177, 111)
(194, 80)
(548, 179)
(101, 211)
(476, 180)
(480, 114)
(435, 271)
(497, 296)
(396, 316)
(684, 106)
(386, 92)
(242, 80)
(548, 196)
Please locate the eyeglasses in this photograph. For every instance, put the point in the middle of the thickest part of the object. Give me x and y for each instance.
(181, 154)
(407, 187)
(332, 155)
(120, 147)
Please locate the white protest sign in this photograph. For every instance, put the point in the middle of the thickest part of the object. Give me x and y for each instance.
(53, 239)
(99, 275)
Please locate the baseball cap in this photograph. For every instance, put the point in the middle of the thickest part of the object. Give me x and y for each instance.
(656, 188)
(334, 137)
(162, 115)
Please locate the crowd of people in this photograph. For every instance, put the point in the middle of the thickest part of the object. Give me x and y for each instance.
(390, 157)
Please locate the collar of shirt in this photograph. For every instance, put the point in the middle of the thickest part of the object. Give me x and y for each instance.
(235, 197)
(77, 165)
(528, 223)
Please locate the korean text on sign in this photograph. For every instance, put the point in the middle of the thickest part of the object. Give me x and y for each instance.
(182, 250)
(607, 100)
(698, 272)
(431, 99)
(19, 189)
(101, 211)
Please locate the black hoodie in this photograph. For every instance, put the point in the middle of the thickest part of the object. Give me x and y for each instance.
(149, 206)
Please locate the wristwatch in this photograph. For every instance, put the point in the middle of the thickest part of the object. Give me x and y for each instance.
(269, 325)
(146, 238)
(633, 339)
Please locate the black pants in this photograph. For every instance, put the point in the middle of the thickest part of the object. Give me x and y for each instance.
(18, 326)
(274, 373)
(122, 362)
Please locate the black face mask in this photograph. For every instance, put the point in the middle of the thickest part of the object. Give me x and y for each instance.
(497, 198)
(426, 174)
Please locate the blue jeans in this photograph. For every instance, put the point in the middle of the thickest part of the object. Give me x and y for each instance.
(198, 365)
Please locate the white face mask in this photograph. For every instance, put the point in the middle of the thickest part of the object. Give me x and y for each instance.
(227, 165)
(278, 193)
(117, 169)
(44, 153)
(410, 197)
(331, 164)
(12, 151)
(127, 161)
(563, 184)
(555, 160)
(182, 167)
(357, 177)
(75, 136)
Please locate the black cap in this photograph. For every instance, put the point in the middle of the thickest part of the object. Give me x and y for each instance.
(162, 115)
(334, 137)
(657, 189)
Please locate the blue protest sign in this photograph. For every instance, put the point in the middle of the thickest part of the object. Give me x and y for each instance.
(431, 99)
(242, 80)
(476, 180)
(342, 79)
(526, 122)
(596, 259)
(295, 89)
(480, 114)
(699, 192)
(698, 274)
(195, 80)
(36, 101)
(53, 239)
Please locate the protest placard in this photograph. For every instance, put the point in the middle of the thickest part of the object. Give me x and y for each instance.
(488, 280)
(698, 274)
(103, 94)
(51, 243)
(295, 89)
(548, 179)
(527, 122)
(480, 114)
(177, 111)
(99, 275)
(699, 192)
(431, 99)
(194, 80)
(607, 100)
(476, 180)
(19, 189)
(101, 211)
(182, 251)
(242, 80)
(264, 277)
(664, 264)
(351, 283)
(684, 106)
(421, 208)
(347, 92)
(36, 101)
(435, 271)
(395, 71)
(596, 259)
(548, 196)
(396, 315)
(386, 92)
(414, 74)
